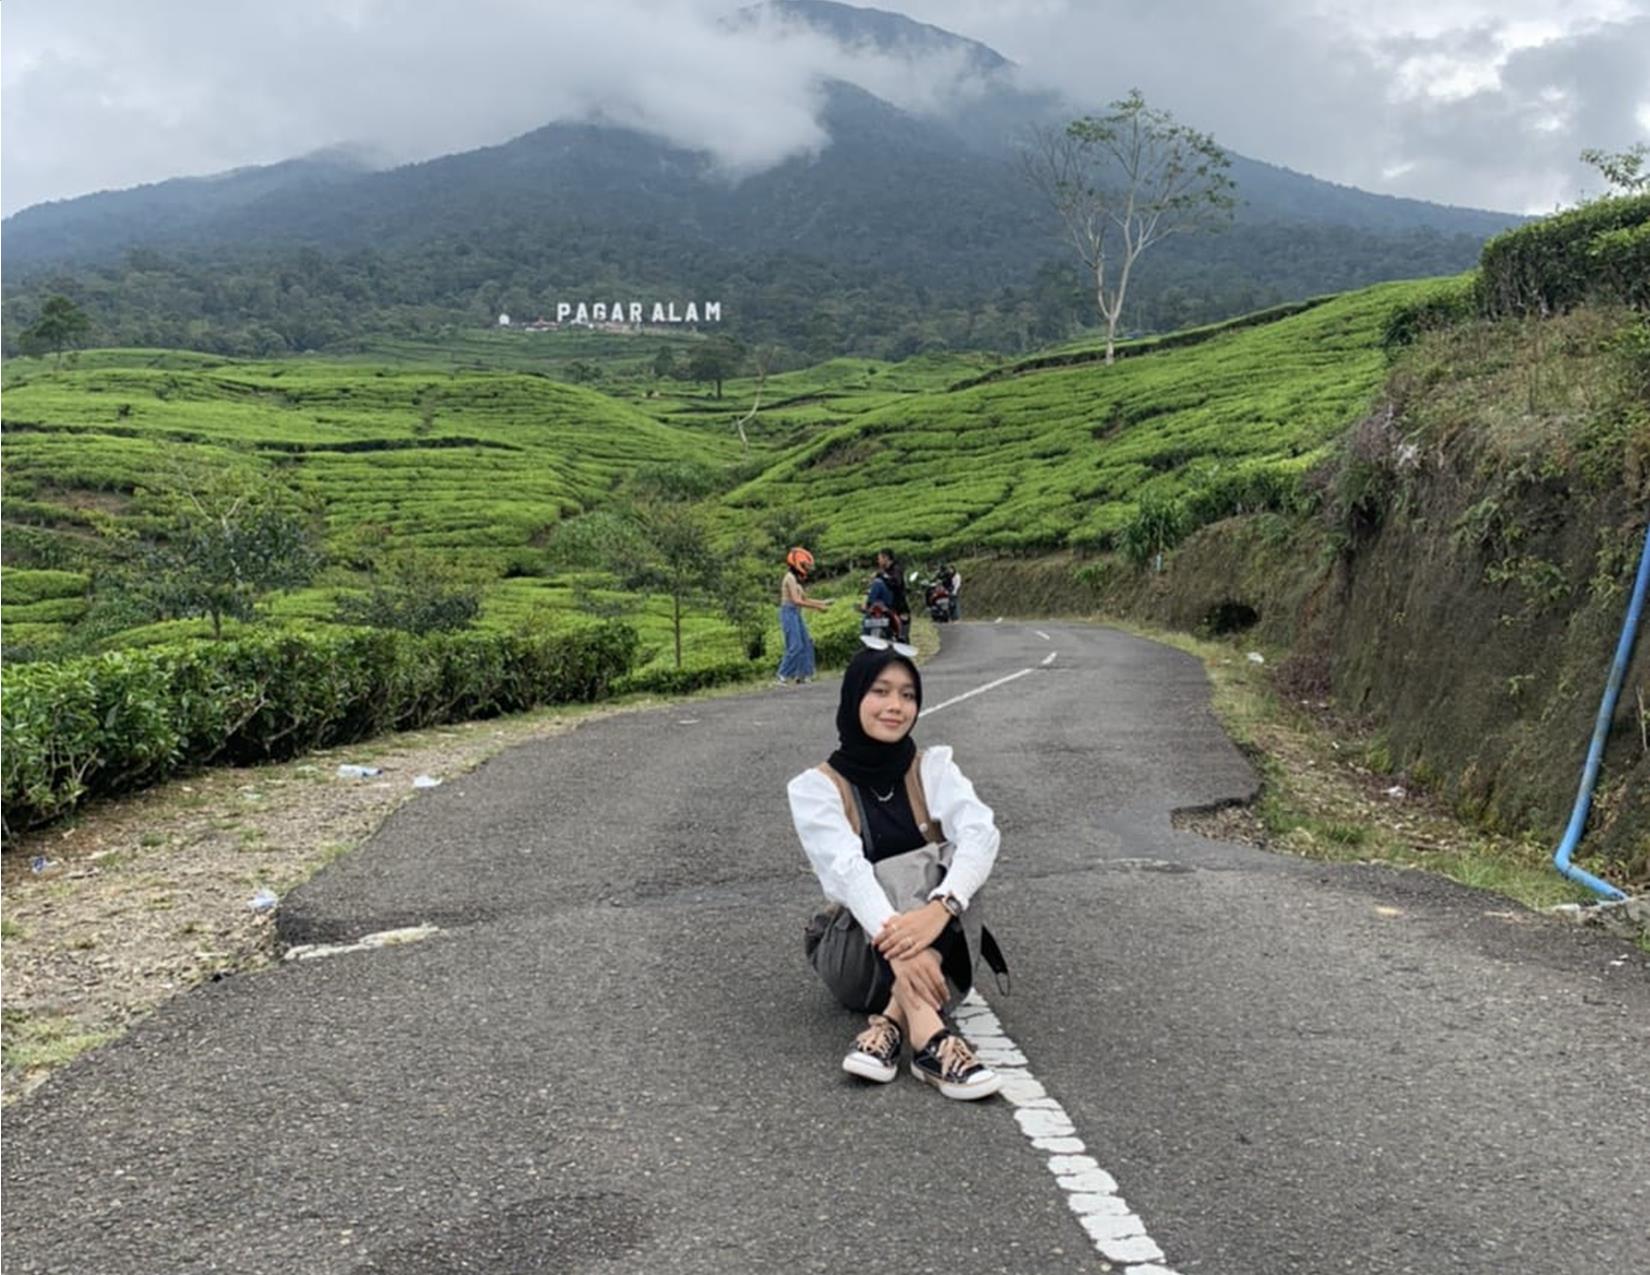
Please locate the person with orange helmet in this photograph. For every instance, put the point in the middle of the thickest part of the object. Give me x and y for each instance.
(797, 665)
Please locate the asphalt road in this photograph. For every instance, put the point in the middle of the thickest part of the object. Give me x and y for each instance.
(614, 1058)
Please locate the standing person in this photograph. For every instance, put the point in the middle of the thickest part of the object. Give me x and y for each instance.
(797, 664)
(900, 843)
(888, 568)
(954, 584)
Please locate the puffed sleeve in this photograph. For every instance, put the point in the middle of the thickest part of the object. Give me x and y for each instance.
(837, 855)
(969, 824)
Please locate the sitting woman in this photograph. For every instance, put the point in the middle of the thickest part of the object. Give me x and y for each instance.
(900, 844)
(878, 609)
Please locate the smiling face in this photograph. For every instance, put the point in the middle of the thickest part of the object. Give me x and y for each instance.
(889, 708)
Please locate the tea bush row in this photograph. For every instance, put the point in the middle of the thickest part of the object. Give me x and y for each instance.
(123, 720)
(1599, 251)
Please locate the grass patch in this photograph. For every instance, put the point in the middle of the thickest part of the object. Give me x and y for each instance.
(35, 1042)
(1321, 798)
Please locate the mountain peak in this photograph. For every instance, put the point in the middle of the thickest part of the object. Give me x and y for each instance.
(878, 29)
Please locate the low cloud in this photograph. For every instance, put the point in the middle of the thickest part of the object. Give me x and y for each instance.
(100, 95)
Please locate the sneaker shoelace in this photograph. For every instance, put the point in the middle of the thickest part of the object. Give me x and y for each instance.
(955, 1057)
(880, 1039)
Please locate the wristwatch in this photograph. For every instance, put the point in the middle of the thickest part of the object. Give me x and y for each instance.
(952, 904)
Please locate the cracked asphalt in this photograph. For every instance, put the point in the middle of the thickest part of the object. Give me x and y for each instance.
(614, 1058)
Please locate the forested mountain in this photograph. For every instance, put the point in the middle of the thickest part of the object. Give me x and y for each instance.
(906, 231)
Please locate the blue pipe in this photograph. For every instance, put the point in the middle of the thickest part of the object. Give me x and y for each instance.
(1601, 728)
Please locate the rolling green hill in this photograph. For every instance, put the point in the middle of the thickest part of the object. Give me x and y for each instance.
(1062, 457)
(480, 466)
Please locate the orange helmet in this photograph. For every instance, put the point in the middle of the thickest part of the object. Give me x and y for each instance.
(801, 559)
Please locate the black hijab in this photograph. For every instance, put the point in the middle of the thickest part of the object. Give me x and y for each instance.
(861, 759)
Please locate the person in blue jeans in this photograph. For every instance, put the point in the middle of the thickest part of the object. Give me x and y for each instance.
(797, 664)
(878, 609)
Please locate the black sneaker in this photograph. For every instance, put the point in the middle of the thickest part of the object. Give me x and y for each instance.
(875, 1051)
(948, 1063)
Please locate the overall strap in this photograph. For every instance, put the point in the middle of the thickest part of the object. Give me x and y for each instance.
(930, 828)
(852, 803)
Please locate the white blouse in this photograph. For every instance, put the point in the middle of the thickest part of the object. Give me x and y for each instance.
(838, 857)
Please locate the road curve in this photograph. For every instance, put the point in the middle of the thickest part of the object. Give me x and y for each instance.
(613, 1058)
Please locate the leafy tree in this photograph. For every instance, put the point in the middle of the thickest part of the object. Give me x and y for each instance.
(416, 593)
(235, 539)
(653, 547)
(673, 480)
(1628, 170)
(664, 363)
(1123, 182)
(61, 323)
(714, 362)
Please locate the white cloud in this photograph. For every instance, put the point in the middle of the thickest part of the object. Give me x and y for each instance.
(107, 94)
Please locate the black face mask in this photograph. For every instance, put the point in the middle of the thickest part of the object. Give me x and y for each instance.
(859, 758)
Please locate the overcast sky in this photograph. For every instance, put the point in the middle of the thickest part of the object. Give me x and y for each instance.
(1484, 103)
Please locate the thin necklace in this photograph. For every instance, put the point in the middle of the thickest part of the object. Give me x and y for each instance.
(879, 796)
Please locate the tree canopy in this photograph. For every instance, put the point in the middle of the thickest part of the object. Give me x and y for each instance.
(1121, 183)
(61, 324)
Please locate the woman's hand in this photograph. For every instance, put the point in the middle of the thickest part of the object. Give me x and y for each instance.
(921, 973)
(906, 933)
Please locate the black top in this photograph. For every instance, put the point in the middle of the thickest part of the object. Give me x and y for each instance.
(887, 828)
(894, 578)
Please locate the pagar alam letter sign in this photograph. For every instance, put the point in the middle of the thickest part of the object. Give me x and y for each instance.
(638, 312)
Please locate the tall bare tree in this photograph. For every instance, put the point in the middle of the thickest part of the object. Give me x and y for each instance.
(761, 359)
(1121, 183)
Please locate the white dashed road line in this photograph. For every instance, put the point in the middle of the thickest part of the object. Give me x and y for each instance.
(1042, 635)
(978, 690)
(1114, 1229)
(1049, 658)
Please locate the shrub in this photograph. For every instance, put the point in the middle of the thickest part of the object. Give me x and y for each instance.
(1245, 489)
(675, 681)
(23, 586)
(417, 593)
(119, 721)
(1158, 525)
(1457, 301)
(1600, 251)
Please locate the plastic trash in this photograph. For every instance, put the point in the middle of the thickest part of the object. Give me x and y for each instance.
(358, 772)
(1255, 657)
(426, 781)
(263, 900)
(41, 864)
